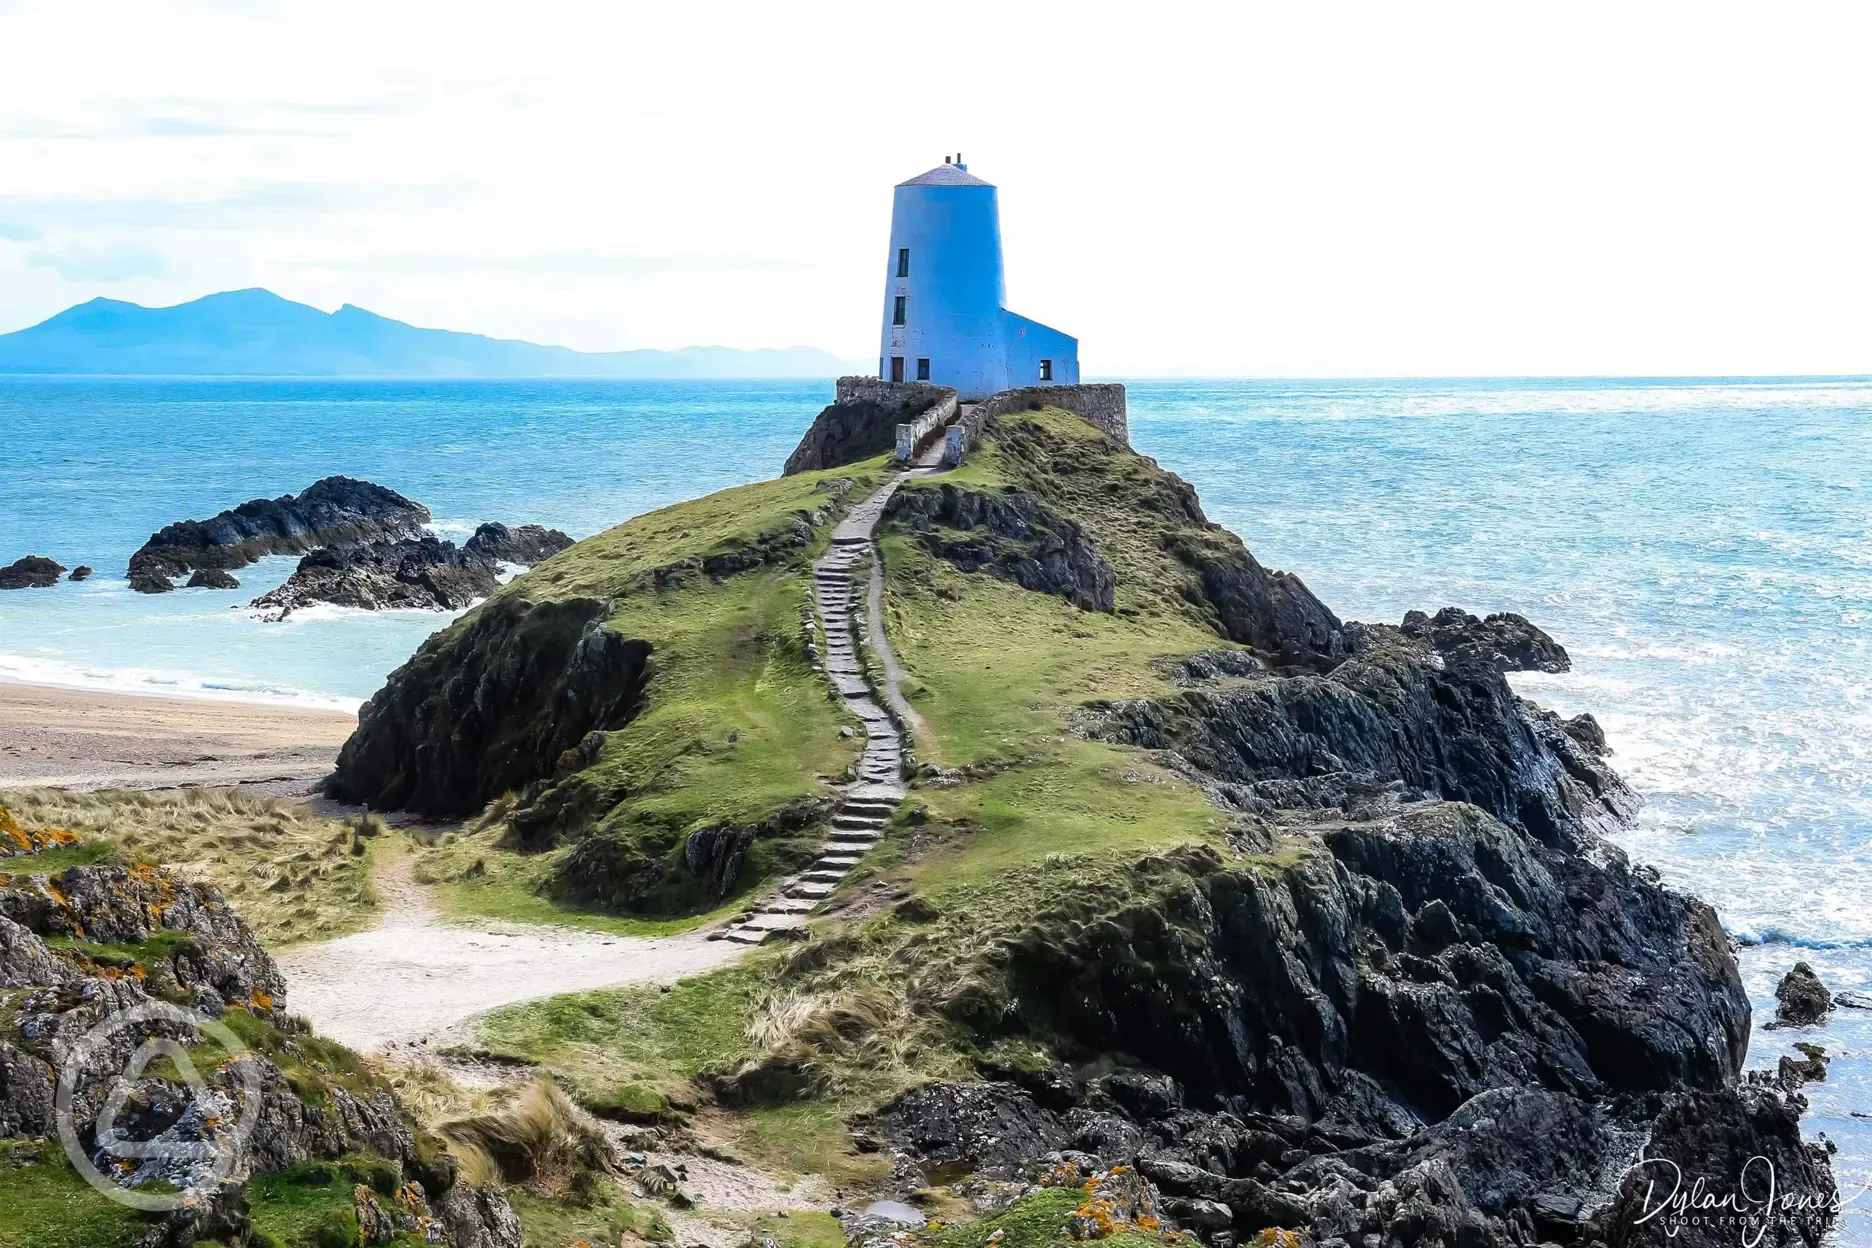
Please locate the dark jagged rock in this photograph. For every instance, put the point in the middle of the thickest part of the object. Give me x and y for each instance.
(1010, 536)
(524, 545)
(31, 572)
(1810, 1067)
(1505, 639)
(213, 578)
(80, 573)
(993, 1129)
(334, 511)
(425, 573)
(1801, 999)
(1395, 711)
(25, 961)
(1735, 1144)
(489, 705)
(1568, 974)
(861, 422)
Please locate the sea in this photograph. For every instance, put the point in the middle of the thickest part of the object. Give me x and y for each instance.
(1701, 546)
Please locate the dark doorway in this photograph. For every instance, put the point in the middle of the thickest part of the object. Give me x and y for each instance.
(896, 368)
(922, 370)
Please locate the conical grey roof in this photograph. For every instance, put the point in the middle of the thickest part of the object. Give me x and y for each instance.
(946, 175)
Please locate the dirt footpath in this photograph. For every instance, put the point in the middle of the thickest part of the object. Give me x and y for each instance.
(413, 978)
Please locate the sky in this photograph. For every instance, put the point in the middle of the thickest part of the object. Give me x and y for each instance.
(1242, 189)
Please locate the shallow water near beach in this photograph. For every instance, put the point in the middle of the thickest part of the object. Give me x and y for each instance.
(1702, 548)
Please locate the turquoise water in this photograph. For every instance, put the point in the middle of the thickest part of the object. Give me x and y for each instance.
(1703, 548)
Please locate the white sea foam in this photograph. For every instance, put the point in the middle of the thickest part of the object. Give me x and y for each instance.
(150, 682)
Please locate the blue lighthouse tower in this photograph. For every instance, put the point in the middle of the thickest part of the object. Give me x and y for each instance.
(943, 294)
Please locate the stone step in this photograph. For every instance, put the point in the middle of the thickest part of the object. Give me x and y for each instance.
(787, 905)
(813, 891)
(741, 936)
(774, 923)
(863, 816)
(816, 876)
(839, 863)
(859, 823)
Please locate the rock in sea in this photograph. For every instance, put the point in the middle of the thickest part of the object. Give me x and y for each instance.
(1802, 999)
(334, 511)
(32, 572)
(80, 573)
(213, 578)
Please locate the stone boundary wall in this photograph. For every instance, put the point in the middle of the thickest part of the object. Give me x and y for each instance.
(1100, 404)
(904, 394)
(912, 436)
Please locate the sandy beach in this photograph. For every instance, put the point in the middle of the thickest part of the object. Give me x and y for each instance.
(79, 738)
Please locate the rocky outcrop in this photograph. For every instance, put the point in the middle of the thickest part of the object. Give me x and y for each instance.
(1117, 496)
(1396, 712)
(334, 511)
(1431, 1027)
(31, 572)
(523, 546)
(213, 578)
(1012, 537)
(424, 573)
(861, 422)
(80, 573)
(98, 961)
(1801, 1000)
(1505, 639)
(489, 705)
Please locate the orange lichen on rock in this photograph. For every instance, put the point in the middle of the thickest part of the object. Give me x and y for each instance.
(17, 840)
(1278, 1237)
(1117, 1202)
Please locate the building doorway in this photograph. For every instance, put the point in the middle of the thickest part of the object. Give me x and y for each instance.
(896, 368)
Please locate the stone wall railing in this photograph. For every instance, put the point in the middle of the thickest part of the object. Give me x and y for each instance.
(1101, 405)
(912, 436)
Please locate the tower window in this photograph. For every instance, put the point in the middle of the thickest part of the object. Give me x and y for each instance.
(897, 311)
(1046, 370)
(903, 262)
(896, 368)
(922, 370)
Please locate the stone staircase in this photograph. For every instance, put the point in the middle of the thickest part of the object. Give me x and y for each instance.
(869, 801)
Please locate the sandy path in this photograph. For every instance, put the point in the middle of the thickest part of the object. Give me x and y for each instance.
(413, 980)
(83, 739)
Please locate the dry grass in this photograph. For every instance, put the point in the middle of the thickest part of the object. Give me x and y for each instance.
(532, 1135)
(291, 874)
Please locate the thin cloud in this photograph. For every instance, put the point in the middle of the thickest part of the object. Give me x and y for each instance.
(82, 263)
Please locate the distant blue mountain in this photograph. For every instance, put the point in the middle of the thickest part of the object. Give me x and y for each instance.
(255, 333)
